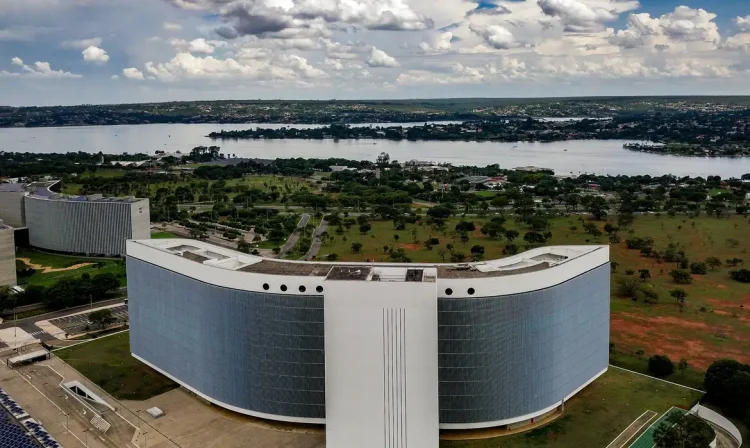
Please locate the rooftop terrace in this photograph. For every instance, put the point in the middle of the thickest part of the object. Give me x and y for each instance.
(534, 260)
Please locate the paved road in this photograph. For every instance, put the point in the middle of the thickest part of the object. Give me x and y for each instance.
(294, 237)
(315, 246)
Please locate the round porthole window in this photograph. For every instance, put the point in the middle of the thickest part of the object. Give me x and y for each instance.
(319, 289)
(302, 288)
(448, 292)
(283, 287)
(266, 287)
(471, 291)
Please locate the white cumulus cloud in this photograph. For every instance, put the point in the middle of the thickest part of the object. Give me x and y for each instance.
(95, 54)
(379, 58)
(37, 70)
(439, 44)
(496, 36)
(132, 73)
(577, 15)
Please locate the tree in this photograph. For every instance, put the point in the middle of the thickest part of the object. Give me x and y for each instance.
(442, 252)
(492, 229)
(660, 365)
(613, 265)
(534, 238)
(356, 247)
(679, 295)
(102, 318)
(396, 237)
(332, 257)
(644, 274)
(628, 287)
(243, 246)
(713, 262)
(683, 431)
(364, 228)
(477, 251)
(681, 277)
(383, 159)
(598, 207)
(7, 298)
(465, 226)
(682, 365)
(698, 268)
(511, 235)
(440, 212)
(102, 284)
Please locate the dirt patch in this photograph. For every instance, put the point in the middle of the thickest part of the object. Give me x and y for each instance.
(722, 313)
(658, 335)
(49, 270)
(407, 246)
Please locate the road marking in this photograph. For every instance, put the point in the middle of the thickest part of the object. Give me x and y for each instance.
(624, 442)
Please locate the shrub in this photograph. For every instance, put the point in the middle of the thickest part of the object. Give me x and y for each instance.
(650, 295)
(743, 275)
(660, 365)
(628, 287)
(681, 277)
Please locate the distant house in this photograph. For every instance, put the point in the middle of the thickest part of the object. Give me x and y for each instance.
(593, 187)
(340, 168)
(747, 198)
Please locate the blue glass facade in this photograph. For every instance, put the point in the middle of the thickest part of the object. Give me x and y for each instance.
(256, 351)
(509, 356)
(499, 357)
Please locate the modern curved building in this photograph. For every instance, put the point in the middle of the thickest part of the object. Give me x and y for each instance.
(384, 355)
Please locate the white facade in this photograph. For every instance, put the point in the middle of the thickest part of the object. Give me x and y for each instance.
(381, 363)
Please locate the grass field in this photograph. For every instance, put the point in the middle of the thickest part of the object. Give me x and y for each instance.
(597, 414)
(283, 183)
(108, 363)
(715, 323)
(63, 261)
(162, 235)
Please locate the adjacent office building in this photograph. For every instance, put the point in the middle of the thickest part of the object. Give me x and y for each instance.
(384, 355)
(7, 256)
(88, 225)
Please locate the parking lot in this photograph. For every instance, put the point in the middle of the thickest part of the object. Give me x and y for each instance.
(77, 323)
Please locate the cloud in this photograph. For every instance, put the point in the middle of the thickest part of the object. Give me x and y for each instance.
(95, 55)
(690, 24)
(185, 66)
(379, 58)
(200, 46)
(263, 17)
(440, 43)
(132, 73)
(496, 36)
(576, 15)
(743, 23)
(114, 77)
(38, 70)
(169, 26)
(82, 44)
(681, 28)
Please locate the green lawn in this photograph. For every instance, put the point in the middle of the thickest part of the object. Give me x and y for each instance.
(64, 261)
(108, 363)
(163, 235)
(597, 414)
(715, 323)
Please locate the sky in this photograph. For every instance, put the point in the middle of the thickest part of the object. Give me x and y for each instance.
(64, 52)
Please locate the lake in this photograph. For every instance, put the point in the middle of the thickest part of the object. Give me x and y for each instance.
(582, 156)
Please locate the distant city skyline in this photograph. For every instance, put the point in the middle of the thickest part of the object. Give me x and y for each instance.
(98, 51)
